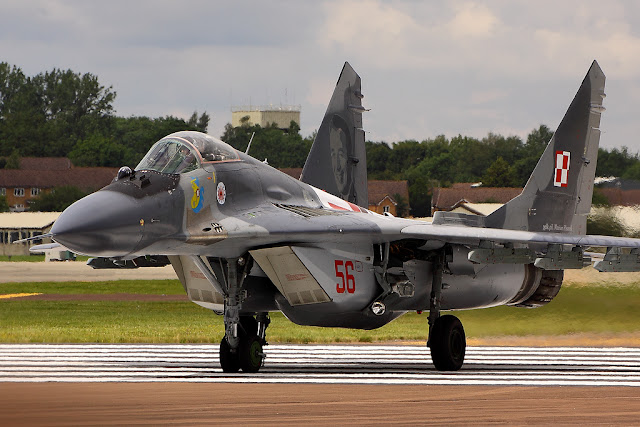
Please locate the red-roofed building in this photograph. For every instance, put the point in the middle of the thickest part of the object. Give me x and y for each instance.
(42, 174)
(620, 197)
(292, 172)
(383, 196)
(447, 199)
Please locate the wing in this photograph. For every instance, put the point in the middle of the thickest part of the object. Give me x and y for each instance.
(473, 236)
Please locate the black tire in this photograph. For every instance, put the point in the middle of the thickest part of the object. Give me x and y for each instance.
(250, 353)
(448, 343)
(229, 361)
(249, 326)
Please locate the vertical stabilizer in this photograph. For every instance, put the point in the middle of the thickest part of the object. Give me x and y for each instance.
(557, 197)
(337, 162)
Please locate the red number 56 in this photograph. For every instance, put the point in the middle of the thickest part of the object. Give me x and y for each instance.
(347, 280)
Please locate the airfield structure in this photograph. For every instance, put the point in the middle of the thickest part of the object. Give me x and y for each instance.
(265, 115)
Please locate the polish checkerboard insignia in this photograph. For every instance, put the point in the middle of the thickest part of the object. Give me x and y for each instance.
(561, 173)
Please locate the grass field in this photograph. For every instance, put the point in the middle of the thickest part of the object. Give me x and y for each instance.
(159, 287)
(33, 258)
(594, 309)
(21, 258)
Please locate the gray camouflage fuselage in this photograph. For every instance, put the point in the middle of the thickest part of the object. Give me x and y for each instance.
(325, 261)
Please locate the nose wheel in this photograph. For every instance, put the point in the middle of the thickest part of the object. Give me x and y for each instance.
(248, 355)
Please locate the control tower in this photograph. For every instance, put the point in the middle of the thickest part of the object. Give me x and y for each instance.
(264, 115)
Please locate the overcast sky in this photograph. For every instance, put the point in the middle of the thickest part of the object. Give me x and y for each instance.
(427, 68)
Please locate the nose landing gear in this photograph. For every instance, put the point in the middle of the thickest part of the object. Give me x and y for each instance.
(248, 354)
(241, 346)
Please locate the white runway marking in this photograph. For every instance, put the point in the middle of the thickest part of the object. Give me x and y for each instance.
(322, 364)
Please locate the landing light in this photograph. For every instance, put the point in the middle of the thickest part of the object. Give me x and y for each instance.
(378, 308)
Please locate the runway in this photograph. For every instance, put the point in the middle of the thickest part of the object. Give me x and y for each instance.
(320, 364)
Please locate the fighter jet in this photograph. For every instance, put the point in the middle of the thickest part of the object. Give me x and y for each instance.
(246, 240)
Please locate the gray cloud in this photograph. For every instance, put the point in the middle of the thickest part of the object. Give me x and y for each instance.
(428, 68)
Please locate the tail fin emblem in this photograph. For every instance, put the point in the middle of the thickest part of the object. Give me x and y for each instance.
(561, 173)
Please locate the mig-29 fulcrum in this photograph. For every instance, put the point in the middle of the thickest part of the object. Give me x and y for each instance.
(246, 239)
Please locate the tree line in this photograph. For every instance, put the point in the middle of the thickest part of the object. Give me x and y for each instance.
(60, 113)
(63, 113)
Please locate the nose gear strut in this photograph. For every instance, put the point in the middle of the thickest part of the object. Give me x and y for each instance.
(241, 346)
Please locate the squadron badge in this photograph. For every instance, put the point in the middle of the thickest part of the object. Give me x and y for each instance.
(196, 199)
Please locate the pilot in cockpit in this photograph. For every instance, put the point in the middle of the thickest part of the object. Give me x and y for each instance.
(188, 162)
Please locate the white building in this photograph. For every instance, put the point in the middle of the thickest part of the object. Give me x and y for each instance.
(21, 225)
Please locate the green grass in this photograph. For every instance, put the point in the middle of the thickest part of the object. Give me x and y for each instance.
(21, 258)
(160, 287)
(33, 258)
(115, 322)
(575, 310)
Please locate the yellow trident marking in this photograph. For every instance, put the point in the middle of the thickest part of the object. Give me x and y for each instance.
(196, 194)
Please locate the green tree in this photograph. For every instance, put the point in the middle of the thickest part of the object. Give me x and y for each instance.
(599, 199)
(632, 172)
(378, 154)
(402, 209)
(294, 127)
(605, 223)
(530, 153)
(12, 80)
(615, 162)
(4, 205)
(471, 158)
(200, 123)
(282, 148)
(99, 150)
(13, 161)
(57, 199)
(499, 174)
(420, 191)
(46, 114)
(75, 105)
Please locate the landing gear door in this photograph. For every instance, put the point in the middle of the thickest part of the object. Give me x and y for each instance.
(198, 288)
(346, 276)
(290, 276)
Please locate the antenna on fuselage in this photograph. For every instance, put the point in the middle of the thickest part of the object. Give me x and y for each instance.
(249, 146)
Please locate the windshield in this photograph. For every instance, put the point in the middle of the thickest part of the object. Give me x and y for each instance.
(169, 156)
(210, 148)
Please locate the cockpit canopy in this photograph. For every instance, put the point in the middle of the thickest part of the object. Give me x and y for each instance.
(184, 151)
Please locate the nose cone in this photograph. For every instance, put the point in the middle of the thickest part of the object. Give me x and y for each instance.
(105, 223)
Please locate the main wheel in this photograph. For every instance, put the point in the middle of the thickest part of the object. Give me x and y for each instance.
(228, 360)
(448, 343)
(250, 353)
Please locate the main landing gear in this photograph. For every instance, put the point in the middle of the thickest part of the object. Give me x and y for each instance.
(446, 334)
